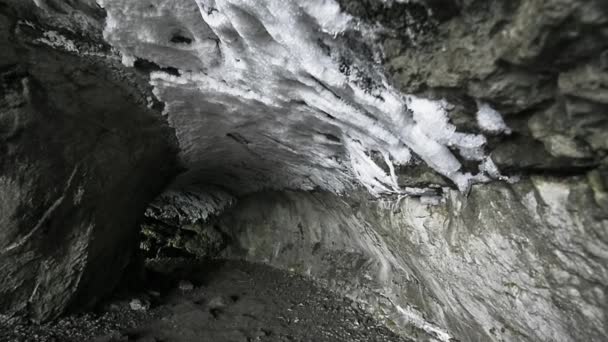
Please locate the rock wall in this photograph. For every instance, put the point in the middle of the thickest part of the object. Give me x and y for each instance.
(541, 64)
(80, 156)
(178, 223)
(525, 262)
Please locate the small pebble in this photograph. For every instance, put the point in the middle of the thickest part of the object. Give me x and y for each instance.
(185, 285)
(154, 293)
(137, 305)
(217, 302)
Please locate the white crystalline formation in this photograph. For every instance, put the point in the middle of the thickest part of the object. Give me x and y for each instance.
(261, 100)
(489, 120)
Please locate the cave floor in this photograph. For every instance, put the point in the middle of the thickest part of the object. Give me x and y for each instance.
(218, 301)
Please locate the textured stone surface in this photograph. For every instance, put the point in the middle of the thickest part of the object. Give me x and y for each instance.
(509, 263)
(180, 222)
(256, 108)
(80, 156)
(541, 63)
(272, 94)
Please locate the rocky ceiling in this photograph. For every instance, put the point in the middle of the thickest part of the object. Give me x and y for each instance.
(276, 94)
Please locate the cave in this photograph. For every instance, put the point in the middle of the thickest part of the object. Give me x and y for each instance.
(303, 170)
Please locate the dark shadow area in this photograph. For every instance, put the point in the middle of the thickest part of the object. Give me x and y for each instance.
(188, 300)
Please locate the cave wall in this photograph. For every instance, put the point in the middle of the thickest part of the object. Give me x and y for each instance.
(523, 262)
(80, 156)
(541, 64)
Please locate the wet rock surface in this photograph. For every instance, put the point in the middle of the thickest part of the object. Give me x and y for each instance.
(180, 223)
(77, 146)
(228, 301)
(521, 262)
(539, 63)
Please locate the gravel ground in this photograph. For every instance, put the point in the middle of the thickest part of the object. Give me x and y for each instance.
(220, 301)
(77, 328)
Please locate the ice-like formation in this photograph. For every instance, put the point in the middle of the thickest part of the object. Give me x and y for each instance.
(269, 93)
(489, 120)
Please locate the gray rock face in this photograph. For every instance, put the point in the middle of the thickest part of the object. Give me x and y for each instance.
(180, 223)
(540, 63)
(80, 156)
(526, 262)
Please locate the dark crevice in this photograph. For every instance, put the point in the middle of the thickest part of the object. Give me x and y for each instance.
(147, 67)
(326, 87)
(238, 138)
(329, 116)
(331, 137)
(561, 172)
(178, 38)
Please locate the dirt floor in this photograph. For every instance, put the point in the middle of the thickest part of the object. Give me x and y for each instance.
(221, 301)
